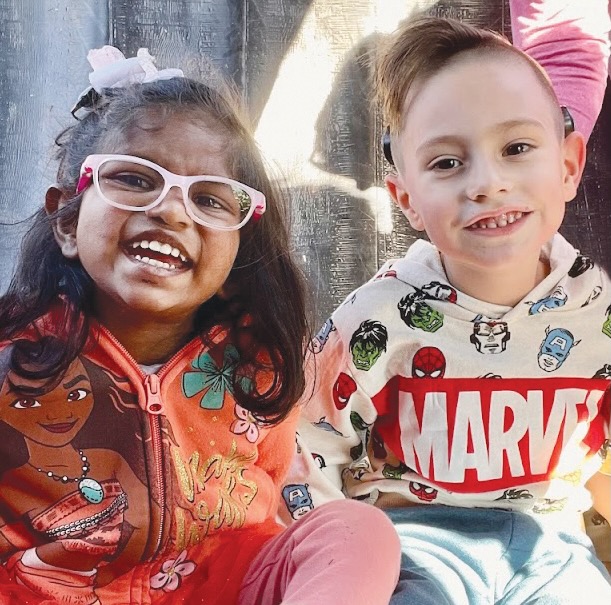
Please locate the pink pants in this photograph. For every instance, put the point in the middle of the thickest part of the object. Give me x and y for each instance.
(342, 553)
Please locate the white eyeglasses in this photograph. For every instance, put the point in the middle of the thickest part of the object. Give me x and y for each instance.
(132, 183)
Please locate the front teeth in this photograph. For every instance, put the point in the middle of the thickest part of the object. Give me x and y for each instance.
(500, 221)
(155, 263)
(156, 246)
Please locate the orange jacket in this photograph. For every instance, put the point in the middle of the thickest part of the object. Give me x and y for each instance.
(121, 487)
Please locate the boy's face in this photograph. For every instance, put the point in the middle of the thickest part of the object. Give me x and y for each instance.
(482, 166)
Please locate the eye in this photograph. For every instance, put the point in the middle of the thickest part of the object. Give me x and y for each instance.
(25, 403)
(78, 394)
(518, 148)
(129, 180)
(446, 164)
(207, 202)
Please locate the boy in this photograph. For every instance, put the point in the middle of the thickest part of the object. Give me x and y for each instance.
(466, 387)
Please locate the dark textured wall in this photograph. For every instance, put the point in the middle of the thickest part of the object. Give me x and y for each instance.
(344, 225)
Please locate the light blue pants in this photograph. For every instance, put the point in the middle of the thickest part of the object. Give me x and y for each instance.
(459, 556)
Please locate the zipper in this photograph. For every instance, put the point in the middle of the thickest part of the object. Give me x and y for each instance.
(154, 403)
(157, 454)
(153, 407)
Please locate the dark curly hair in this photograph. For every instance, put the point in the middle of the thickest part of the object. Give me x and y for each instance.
(267, 285)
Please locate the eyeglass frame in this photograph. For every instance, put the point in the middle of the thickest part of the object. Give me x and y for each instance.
(90, 173)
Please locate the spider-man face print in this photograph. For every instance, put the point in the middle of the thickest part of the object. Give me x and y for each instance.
(426, 493)
(428, 362)
(342, 390)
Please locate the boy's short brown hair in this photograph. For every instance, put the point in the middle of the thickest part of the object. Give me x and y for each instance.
(421, 47)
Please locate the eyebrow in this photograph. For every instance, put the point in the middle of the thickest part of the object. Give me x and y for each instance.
(75, 380)
(500, 127)
(23, 389)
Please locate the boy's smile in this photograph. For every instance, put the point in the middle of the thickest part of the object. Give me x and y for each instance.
(484, 171)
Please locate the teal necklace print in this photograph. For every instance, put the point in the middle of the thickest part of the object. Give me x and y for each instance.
(89, 488)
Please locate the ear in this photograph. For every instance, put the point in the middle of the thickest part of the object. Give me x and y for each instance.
(65, 234)
(574, 151)
(401, 197)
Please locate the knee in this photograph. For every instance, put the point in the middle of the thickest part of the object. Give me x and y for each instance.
(366, 526)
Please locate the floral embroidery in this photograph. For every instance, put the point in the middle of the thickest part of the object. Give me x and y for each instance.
(172, 572)
(246, 423)
(209, 376)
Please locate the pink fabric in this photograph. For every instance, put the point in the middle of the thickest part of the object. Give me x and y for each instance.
(570, 39)
(343, 552)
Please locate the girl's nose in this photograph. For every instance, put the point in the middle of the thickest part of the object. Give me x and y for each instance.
(486, 179)
(171, 208)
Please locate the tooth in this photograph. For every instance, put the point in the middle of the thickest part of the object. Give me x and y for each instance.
(144, 244)
(135, 244)
(183, 258)
(138, 257)
(491, 223)
(166, 249)
(175, 252)
(511, 218)
(519, 215)
(146, 259)
(502, 220)
(155, 246)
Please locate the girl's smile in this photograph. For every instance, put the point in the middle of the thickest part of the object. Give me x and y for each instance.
(159, 251)
(155, 253)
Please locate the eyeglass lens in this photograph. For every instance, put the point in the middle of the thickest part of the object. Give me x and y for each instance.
(131, 184)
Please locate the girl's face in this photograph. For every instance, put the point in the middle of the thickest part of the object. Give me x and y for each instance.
(108, 240)
(54, 418)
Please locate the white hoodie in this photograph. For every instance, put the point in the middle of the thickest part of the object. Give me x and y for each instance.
(430, 394)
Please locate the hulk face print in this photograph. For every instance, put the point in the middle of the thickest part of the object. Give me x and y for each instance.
(368, 343)
(416, 313)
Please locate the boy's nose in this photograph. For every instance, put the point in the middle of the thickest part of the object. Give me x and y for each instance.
(485, 179)
(171, 209)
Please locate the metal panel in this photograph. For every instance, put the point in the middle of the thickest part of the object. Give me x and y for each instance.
(43, 67)
(302, 65)
(187, 33)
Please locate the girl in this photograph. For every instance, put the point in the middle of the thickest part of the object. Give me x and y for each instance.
(156, 294)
